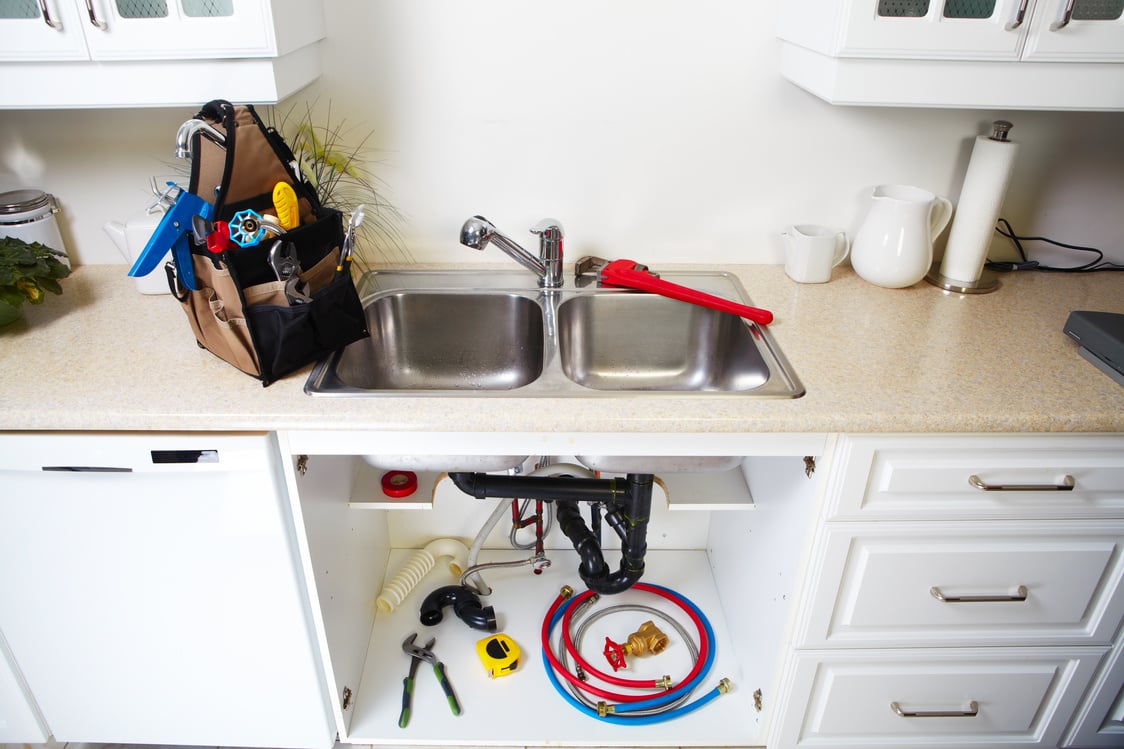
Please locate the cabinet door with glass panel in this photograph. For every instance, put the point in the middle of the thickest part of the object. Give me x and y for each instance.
(137, 29)
(179, 29)
(1077, 31)
(41, 30)
(938, 29)
(984, 29)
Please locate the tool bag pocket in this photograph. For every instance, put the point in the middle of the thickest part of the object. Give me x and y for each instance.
(244, 309)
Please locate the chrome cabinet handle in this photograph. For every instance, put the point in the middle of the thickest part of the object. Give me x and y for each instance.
(1018, 597)
(1020, 16)
(972, 711)
(97, 22)
(1067, 16)
(46, 13)
(1066, 485)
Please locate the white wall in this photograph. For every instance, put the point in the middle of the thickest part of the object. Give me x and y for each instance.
(655, 129)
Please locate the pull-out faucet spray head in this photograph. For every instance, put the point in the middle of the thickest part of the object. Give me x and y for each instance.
(477, 232)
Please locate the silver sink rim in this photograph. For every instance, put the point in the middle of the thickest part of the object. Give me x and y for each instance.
(782, 383)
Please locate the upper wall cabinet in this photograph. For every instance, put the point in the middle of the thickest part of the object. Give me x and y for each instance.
(137, 53)
(994, 54)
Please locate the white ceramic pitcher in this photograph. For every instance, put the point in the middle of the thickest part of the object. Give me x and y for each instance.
(894, 245)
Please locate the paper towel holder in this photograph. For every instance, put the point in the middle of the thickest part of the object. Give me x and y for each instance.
(987, 281)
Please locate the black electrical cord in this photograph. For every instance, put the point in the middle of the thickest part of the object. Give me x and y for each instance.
(1026, 263)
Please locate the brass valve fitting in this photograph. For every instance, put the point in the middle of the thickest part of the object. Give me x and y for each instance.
(647, 639)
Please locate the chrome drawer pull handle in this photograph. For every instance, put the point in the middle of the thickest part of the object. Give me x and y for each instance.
(97, 22)
(1020, 15)
(972, 711)
(1066, 485)
(1067, 15)
(46, 13)
(1018, 597)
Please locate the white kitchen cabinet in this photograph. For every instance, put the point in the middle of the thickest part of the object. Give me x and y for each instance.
(955, 698)
(733, 546)
(100, 53)
(933, 552)
(1099, 723)
(19, 717)
(998, 54)
(152, 594)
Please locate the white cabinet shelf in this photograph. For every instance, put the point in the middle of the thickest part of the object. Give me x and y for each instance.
(950, 53)
(115, 53)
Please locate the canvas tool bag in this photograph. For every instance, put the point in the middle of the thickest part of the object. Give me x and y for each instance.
(240, 310)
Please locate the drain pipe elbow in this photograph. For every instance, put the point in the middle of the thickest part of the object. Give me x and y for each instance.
(466, 605)
(467, 483)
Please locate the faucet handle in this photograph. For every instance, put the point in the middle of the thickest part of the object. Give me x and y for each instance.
(549, 229)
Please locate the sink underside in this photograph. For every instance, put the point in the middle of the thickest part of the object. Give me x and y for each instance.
(481, 333)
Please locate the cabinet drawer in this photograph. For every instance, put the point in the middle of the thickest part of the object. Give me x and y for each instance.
(931, 477)
(935, 698)
(989, 582)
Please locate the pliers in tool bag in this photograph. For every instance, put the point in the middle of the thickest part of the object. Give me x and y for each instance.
(417, 655)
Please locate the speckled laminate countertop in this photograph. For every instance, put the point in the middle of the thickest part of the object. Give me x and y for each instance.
(104, 357)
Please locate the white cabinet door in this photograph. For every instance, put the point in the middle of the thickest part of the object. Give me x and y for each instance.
(938, 29)
(927, 477)
(1099, 723)
(151, 591)
(1077, 31)
(920, 584)
(41, 30)
(179, 29)
(19, 719)
(1010, 697)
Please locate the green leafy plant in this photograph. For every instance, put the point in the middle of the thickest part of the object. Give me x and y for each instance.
(337, 161)
(27, 272)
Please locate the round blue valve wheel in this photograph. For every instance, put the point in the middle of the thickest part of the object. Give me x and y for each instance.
(246, 228)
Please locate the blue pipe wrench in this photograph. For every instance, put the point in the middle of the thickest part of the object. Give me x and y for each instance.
(171, 234)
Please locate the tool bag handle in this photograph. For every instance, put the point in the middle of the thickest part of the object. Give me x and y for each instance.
(254, 159)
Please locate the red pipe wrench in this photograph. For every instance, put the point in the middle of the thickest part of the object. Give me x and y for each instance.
(632, 275)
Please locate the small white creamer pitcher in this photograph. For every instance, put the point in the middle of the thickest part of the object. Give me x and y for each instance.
(894, 245)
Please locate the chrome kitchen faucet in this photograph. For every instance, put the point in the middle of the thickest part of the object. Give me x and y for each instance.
(478, 232)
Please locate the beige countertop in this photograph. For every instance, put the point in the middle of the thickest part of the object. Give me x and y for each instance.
(104, 357)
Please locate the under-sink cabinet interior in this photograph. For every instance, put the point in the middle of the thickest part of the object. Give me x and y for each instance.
(731, 541)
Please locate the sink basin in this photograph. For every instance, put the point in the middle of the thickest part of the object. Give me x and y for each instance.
(493, 333)
(432, 340)
(648, 342)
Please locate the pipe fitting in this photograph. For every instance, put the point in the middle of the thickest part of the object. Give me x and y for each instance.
(466, 605)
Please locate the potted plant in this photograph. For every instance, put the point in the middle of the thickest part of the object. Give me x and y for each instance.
(336, 161)
(27, 272)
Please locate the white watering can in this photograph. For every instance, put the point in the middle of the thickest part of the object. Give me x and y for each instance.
(130, 238)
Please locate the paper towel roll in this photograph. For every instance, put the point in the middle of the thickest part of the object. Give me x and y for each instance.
(981, 199)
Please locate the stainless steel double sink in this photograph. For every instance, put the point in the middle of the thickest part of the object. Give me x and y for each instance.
(494, 333)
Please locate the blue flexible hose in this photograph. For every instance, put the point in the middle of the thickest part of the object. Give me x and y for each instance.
(621, 711)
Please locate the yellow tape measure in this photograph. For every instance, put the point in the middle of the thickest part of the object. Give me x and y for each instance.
(499, 654)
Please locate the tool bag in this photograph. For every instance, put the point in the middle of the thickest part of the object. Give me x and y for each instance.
(243, 309)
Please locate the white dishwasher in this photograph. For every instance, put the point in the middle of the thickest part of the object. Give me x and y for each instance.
(149, 590)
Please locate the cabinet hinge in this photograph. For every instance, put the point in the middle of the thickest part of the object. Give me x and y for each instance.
(302, 464)
(346, 698)
(757, 700)
(809, 465)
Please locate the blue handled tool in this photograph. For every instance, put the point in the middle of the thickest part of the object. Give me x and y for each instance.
(171, 235)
